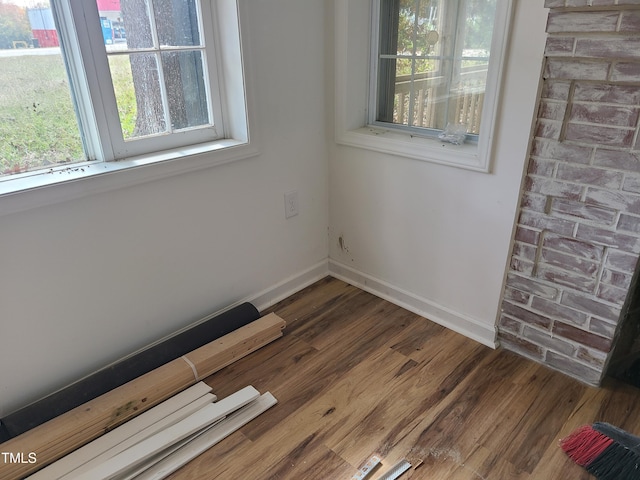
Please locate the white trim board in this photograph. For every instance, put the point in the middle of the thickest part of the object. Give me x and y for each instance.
(198, 445)
(166, 410)
(139, 453)
(133, 438)
(289, 286)
(464, 325)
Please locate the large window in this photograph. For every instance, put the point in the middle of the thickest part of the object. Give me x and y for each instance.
(432, 62)
(90, 81)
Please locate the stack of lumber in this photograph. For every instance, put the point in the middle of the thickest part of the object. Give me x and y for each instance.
(161, 440)
(68, 432)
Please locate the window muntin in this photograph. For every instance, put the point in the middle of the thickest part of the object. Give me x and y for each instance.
(431, 63)
(157, 46)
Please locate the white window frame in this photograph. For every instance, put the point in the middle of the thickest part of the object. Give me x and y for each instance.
(356, 25)
(111, 168)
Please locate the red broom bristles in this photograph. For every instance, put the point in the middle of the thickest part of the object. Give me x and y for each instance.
(585, 445)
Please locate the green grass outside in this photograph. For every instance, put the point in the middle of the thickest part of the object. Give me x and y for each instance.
(38, 126)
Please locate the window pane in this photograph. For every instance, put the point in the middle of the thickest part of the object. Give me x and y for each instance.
(177, 22)
(432, 62)
(136, 84)
(125, 24)
(185, 88)
(38, 125)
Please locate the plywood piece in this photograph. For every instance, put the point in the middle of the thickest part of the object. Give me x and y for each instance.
(60, 436)
(191, 398)
(153, 445)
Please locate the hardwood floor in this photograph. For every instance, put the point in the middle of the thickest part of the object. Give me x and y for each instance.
(355, 375)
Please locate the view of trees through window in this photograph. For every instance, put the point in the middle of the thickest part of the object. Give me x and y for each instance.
(156, 61)
(433, 61)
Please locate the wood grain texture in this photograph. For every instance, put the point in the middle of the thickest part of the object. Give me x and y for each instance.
(71, 430)
(355, 375)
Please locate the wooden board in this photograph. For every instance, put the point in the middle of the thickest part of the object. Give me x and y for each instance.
(192, 449)
(60, 436)
(162, 440)
(186, 402)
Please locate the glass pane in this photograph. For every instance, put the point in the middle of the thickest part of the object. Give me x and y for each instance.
(125, 24)
(425, 87)
(137, 87)
(184, 79)
(38, 125)
(177, 22)
(433, 63)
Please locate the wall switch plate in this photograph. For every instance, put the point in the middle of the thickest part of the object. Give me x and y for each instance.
(291, 204)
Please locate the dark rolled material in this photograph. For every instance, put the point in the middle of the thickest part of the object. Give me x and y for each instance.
(124, 371)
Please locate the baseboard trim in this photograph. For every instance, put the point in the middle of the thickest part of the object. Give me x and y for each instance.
(467, 326)
(288, 286)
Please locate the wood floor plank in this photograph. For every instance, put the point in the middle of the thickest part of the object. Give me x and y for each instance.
(355, 375)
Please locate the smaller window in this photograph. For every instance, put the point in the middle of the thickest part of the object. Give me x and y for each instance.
(431, 64)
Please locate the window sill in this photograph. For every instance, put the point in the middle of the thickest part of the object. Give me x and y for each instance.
(411, 146)
(30, 190)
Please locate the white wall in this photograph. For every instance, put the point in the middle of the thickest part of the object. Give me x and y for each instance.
(84, 282)
(436, 238)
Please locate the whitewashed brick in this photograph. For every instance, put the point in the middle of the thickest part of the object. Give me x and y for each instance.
(552, 110)
(535, 202)
(553, 150)
(546, 222)
(614, 47)
(546, 340)
(548, 129)
(556, 89)
(524, 251)
(570, 263)
(591, 306)
(525, 315)
(516, 296)
(558, 46)
(598, 21)
(557, 311)
(629, 223)
(565, 278)
(625, 72)
(632, 183)
(580, 210)
(521, 266)
(599, 135)
(573, 246)
(611, 294)
(576, 70)
(532, 286)
(621, 261)
(547, 186)
(624, 202)
(617, 279)
(608, 238)
(599, 177)
(602, 327)
(572, 367)
(592, 357)
(619, 160)
(607, 93)
(623, 116)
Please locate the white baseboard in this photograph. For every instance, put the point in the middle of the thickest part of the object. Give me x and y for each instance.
(289, 286)
(467, 326)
